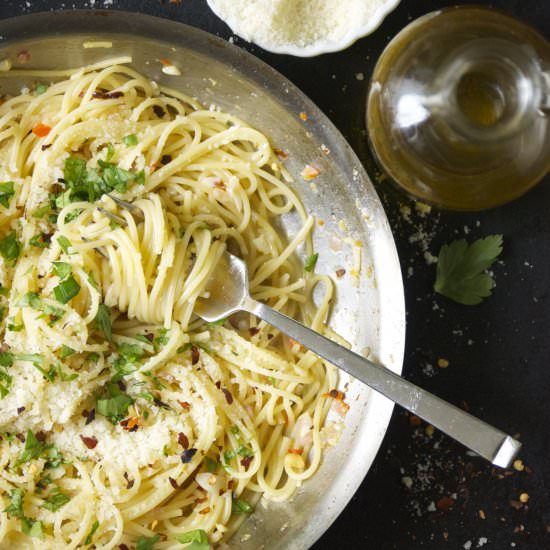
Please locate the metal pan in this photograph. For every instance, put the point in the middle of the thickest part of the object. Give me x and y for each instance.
(369, 309)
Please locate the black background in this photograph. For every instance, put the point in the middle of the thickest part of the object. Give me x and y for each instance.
(424, 491)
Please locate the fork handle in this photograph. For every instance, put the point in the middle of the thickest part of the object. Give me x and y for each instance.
(485, 440)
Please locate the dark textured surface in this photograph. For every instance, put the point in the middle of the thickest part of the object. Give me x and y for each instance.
(425, 491)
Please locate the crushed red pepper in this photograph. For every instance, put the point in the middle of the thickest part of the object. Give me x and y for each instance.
(90, 442)
(183, 440)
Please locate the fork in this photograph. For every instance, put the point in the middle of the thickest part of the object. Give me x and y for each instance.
(228, 292)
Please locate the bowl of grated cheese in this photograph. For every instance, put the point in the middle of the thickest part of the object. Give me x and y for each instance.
(303, 28)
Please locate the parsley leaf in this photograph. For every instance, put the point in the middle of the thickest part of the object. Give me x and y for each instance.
(62, 269)
(6, 193)
(461, 269)
(115, 406)
(90, 535)
(198, 540)
(31, 527)
(64, 243)
(103, 321)
(309, 264)
(147, 543)
(15, 507)
(54, 502)
(130, 140)
(9, 247)
(66, 290)
(240, 506)
(33, 449)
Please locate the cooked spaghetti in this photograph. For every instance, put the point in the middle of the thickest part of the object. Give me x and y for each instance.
(125, 420)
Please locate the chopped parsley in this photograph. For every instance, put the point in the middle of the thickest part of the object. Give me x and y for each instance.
(211, 465)
(89, 184)
(130, 140)
(217, 323)
(147, 543)
(62, 269)
(41, 211)
(9, 247)
(66, 290)
(65, 351)
(31, 527)
(461, 269)
(33, 449)
(103, 321)
(41, 88)
(64, 243)
(311, 261)
(6, 193)
(114, 406)
(15, 507)
(54, 502)
(240, 506)
(196, 540)
(40, 240)
(90, 535)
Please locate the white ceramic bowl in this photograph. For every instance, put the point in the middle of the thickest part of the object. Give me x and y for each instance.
(319, 47)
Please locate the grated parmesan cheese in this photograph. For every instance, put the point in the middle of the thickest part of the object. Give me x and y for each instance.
(300, 23)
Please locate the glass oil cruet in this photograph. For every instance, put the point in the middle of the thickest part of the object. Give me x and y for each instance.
(458, 108)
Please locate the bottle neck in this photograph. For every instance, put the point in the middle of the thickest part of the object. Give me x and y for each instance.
(488, 91)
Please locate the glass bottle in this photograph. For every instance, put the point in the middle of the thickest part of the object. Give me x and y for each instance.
(457, 111)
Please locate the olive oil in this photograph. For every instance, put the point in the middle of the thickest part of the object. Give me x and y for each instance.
(457, 112)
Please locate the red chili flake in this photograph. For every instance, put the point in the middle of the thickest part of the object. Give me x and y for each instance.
(20, 410)
(230, 485)
(283, 155)
(219, 184)
(246, 462)
(123, 547)
(21, 437)
(183, 440)
(228, 396)
(270, 336)
(205, 510)
(188, 455)
(173, 482)
(129, 482)
(195, 355)
(253, 331)
(335, 394)
(201, 500)
(340, 273)
(90, 442)
(445, 504)
(218, 384)
(165, 62)
(41, 436)
(184, 405)
(296, 451)
(159, 111)
(23, 57)
(41, 130)
(165, 159)
(107, 95)
(44, 147)
(131, 424)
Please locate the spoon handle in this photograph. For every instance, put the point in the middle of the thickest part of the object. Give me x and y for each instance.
(485, 440)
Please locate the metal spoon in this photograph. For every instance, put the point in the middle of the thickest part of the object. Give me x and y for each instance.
(228, 293)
